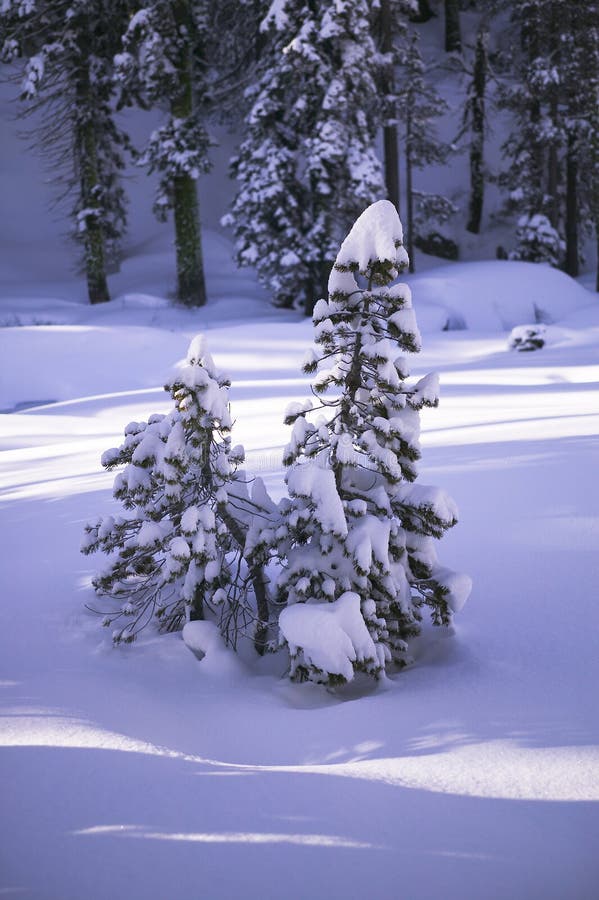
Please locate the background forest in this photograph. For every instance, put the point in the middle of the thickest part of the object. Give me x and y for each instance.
(334, 105)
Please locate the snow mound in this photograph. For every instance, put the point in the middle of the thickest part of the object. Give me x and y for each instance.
(331, 636)
(205, 641)
(499, 294)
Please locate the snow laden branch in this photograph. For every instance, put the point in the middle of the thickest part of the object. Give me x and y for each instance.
(178, 551)
(356, 538)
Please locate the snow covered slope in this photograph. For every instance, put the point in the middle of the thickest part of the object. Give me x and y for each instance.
(142, 772)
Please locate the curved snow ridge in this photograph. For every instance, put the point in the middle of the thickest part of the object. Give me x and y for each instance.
(230, 837)
(499, 770)
(46, 728)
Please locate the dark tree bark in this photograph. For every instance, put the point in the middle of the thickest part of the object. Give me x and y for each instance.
(191, 284)
(553, 156)
(453, 36)
(477, 140)
(390, 139)
(191, 290)
(86, 159)
(424, 12)
(571, 264)
(409, 195)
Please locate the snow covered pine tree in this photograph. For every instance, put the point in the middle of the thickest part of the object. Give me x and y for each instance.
(308, 163)
(63, 56)
(356, 535)
(174, 553)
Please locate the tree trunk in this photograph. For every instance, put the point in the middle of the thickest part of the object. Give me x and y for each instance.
(191, 290)
(571, 264)
(453, 37)
(553, 175)
(390, 139)
(191, 286)
(87, 165)
(196, 610)
(552, 158)
(531, 43)
(258, 582)
(391, 149)
(409, 197)
(424, 12)
(477, 178)
(317, 286)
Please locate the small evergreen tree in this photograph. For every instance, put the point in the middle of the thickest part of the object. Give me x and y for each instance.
(356, 536)
(63, 56)
(538, 242)
(177, 552)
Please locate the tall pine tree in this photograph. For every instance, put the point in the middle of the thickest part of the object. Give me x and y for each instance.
(163, 64)
(553, 100)
(419, 105)
(63, 55)
(307, 163)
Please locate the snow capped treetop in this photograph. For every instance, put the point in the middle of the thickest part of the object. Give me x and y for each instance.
(200, 389)
(376, 236)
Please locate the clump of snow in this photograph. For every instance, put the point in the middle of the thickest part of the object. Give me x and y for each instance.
(202, 637)
(330, 637)
(376, 236)
(206, 643)
(311, 481)
(458, 585)
(276, 16)
(527, 337)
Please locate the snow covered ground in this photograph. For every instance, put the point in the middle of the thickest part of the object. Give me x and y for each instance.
(141, 772)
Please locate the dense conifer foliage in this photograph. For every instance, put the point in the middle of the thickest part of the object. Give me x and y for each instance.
(335, 105)
(61, 56)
